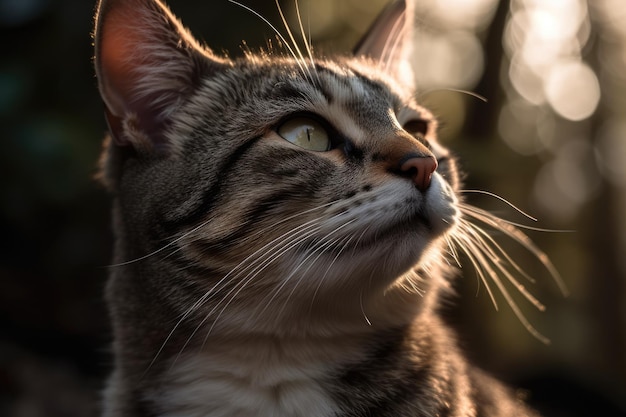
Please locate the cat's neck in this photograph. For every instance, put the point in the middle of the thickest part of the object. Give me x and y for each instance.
(266, 375)
(316, 328)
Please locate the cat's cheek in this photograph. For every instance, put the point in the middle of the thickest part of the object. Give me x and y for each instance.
(441, 205)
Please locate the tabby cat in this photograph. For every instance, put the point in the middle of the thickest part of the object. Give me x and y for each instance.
(285, 227)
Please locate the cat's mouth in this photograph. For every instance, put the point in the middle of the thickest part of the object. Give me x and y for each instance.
(418, 229)
(380, 221)
(435, 213)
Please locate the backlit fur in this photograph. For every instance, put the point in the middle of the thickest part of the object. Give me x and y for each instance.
(253, 277)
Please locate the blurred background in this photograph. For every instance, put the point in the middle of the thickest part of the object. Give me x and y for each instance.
(549, 136)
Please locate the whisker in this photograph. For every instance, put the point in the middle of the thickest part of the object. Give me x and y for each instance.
(236, 289)
(161, 249)
(307, 43)
(318, 247)
(323, 278)
(410, 285)
(482, 269)
(500, 251)
(300, 57)
(504, 200)
(201, 225)
(275, 253)
(452, 250)
(208, 293)
(320, 252)
(253, 274)
(280, 36)
(492, 262)
(367, 320)
(274, 225)
(456, 90)
(308, 22)
(476, 234)
(519, 237)
(507, 296)
(479, 211)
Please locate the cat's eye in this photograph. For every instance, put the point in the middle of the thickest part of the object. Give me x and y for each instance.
(306, 133)
(416, 127)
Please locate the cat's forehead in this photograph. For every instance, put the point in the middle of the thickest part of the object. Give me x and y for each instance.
(350, 83)
(258, 93)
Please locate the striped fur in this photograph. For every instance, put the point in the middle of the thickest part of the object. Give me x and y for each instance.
(253, 277)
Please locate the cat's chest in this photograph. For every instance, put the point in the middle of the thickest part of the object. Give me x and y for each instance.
(246, 382)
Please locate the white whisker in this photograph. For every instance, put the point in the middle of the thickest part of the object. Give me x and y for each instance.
(486, 214)
(452, 250)
(500, 252)
(236, 289)
(280, 36)
(254, 256)
(523, 240)
(456, 90)
(483, 270)
(505, 293)
(319, 246)
(323, 278)
(161, 249)
(491, 261)
(271, 257)
(496, 196)
(367, 320)
(307, 42)
(300, 57)
(477, 235)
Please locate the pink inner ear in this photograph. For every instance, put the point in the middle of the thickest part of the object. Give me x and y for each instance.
(122, 44)
(145, 65)
(118, 56)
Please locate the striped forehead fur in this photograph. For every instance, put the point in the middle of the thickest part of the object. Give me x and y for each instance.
(264, 91)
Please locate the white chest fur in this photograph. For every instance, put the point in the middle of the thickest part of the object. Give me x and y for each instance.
(258, 380)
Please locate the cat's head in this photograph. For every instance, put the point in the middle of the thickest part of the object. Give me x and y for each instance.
(273, 183)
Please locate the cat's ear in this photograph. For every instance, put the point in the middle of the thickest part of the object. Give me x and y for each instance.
(147, 65)
(389, 41)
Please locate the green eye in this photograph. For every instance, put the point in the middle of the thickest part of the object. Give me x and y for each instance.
(306, 133)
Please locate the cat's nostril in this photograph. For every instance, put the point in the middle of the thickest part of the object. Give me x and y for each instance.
(420, 169)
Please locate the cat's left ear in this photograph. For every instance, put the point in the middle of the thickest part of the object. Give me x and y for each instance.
(147, 65)
(389, 41)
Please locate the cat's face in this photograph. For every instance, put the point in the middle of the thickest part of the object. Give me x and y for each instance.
(269, 179)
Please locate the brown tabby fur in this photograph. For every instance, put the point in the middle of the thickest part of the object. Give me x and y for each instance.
(254, 277)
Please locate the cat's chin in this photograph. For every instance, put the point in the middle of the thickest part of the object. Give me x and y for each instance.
(436, 213)
(404, 236)
(412, 243)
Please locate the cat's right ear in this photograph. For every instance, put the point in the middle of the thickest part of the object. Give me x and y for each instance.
(147, 65)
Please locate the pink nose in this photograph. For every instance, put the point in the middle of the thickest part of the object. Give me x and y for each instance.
(420, 169)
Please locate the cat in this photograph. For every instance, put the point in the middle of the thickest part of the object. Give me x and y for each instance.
(285, 228)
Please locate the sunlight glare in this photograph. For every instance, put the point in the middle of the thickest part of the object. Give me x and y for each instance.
(456, 60)
(573, 90)
(469, 14)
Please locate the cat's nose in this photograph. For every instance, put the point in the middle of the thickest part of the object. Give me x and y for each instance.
(420, 169)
